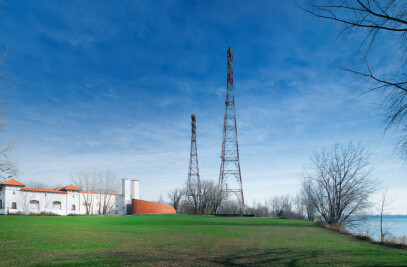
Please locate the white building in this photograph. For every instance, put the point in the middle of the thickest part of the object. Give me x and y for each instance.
(16, 198)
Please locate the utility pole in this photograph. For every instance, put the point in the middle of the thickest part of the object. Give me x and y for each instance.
(230, 164)
(194, 182)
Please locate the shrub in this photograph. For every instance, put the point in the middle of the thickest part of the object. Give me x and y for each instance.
(43, 214)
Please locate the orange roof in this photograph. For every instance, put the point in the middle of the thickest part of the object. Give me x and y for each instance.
(72, 188)
(13, 182)
(43, 190)
(59, 188)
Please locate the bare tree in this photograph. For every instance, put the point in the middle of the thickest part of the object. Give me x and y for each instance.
(98, 187)
(7, 168)
(161, 199)
(36, 184)
(192, 197)
(108, 183)
(282, 206)
(337, 182)
(275, 206)
(375, 21)
(175, 197)
(208, 191)
(217, 199)
(310, 209)
(258, 210)
(286, 204)
(299, 205)
(87, 182)
(385, 201)
(229, 206)
(209, 200)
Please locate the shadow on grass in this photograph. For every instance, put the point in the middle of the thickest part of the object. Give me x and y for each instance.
(280, 256)
(246, 257)
(239, 257)
(264, 257)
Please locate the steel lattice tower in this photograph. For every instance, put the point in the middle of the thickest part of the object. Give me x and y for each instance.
(194, 182)
(230, 164)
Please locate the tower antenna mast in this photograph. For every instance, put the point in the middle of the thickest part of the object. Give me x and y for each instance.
(194, 182)
(230, 163)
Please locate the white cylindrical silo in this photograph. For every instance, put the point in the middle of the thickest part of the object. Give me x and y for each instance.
(135, 189)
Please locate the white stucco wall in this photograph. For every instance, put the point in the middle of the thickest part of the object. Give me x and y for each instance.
(2, 211)
(118, 204)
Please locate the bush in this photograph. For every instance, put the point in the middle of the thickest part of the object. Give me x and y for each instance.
(17, 213)
(43, 214)
(289, 215)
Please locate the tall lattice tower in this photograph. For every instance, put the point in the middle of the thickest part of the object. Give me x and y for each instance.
(194, 182)
(230, 164)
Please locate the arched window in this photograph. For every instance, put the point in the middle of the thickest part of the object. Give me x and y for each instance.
(34, 205)
(56, 205)
(13, 205)
(73, 207)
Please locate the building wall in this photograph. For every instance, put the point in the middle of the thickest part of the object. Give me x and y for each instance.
(117, 204)
(10, 194)
(23, 198)
(2, 210)
(147, 207)
(95, 203)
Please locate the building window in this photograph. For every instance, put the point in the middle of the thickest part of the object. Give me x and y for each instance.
(34, 205)
(73, 207)
(1, 204)
(13, 205)
(56, 205)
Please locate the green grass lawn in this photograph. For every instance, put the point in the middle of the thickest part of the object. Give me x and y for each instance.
(182, 240)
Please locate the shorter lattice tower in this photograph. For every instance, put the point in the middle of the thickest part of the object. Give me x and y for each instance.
(230, 177)
(194, 182)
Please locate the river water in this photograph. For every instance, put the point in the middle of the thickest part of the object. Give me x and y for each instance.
(395, 225)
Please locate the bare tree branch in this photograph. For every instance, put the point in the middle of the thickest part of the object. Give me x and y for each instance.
(369, 18)
(336, 182)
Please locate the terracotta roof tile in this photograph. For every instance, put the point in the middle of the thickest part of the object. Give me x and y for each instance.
(13, 182)
(72, 188)
(59, 188)
(44, 190)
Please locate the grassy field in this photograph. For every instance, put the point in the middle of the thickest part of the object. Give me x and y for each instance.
(182, 240)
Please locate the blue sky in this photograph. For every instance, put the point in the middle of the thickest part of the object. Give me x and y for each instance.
(97, 84)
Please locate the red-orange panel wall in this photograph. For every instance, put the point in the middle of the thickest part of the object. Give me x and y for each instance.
(142, 207)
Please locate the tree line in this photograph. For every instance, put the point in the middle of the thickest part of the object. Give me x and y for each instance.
(336, 184)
